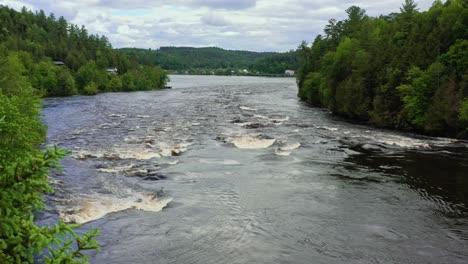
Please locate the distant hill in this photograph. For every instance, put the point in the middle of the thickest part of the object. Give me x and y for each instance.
(212, 58)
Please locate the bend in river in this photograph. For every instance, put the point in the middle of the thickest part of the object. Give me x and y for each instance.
(238, 170)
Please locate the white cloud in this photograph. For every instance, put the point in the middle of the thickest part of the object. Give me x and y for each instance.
(261, 25)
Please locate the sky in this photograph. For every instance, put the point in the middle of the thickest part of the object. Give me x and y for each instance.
(257, 25)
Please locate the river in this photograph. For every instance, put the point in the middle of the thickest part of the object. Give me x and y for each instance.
(238, 170)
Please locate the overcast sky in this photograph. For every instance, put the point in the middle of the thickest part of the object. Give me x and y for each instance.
(259, 25)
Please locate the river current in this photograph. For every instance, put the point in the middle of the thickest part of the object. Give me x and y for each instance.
(238, 170)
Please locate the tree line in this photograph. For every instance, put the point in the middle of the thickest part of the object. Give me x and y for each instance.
(38, 40)
(406, 70)
(212, 59)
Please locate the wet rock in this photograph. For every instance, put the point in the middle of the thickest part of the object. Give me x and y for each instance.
(222, 138)
(101, 166)
(86, 155)
(254, 125)
(111, 156)
(137, 173)
(155, 177)
(237, 120)
(176, 152)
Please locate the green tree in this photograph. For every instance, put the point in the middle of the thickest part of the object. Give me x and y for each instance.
(24, 172)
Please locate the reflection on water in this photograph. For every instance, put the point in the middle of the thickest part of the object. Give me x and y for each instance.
(248, 174)
(439, 176)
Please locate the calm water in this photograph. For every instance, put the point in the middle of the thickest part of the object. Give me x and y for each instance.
(347, 194)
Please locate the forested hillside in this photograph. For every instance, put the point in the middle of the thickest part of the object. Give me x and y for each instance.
(406, 70)
(277, 63)
(212, 58)
(36, 40)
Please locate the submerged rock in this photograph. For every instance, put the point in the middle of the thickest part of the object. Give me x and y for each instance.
(252, 125)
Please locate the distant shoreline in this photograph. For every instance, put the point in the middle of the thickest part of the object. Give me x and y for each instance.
(236, 75)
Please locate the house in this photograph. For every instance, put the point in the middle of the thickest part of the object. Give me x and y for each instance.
(289, 73)
(112, 70)
(58, 63)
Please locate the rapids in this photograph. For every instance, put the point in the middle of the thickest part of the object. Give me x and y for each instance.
(238, 170)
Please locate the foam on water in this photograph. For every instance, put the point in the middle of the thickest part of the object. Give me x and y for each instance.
(251, 141)
(219, 161)
(246, 108)
(116, 169)
(94, 208)
(282, 152)
(290, 146)
(136, 153)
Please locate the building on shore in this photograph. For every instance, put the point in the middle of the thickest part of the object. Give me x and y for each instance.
(289, 73)
(58, 63)
(112, 70)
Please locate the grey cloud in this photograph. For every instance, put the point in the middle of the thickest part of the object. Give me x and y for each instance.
(226, 4)
(59, 8)
(210, 4)
(214, 20)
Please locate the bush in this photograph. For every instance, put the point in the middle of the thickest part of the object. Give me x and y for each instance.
(90, 89)
(24, 172)
(464, 110)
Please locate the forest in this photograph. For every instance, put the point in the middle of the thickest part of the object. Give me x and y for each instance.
(60, 59)
(216, 60)
(406, 70)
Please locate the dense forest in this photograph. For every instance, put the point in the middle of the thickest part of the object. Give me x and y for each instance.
(62, 59)
(406, 70)
(215, 60)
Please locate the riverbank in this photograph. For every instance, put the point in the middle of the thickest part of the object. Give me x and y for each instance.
(396, 78)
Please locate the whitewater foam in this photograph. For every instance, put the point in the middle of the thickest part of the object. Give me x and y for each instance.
(253, 141)
(94, 208)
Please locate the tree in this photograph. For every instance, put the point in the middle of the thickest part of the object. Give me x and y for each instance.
(24, 172)
(409, 7)
(405, 70)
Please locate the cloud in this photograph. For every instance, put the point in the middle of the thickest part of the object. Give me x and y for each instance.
(226, 4)
(213, 19)
(261, 25)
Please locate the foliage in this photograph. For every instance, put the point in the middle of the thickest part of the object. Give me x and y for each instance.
(209, 59)
(90, 89)
(276, 63)
(464, 110)
(406, 70)
(38, 40)
(24, 172)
